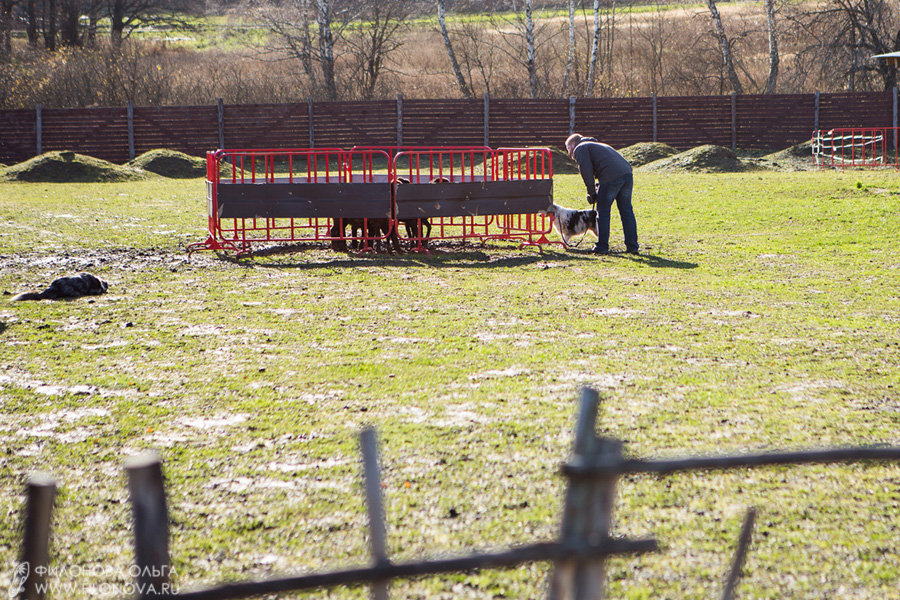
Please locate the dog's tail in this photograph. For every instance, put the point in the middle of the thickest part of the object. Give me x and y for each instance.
(27, 296)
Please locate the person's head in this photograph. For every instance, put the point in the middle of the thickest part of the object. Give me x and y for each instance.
(572, 141)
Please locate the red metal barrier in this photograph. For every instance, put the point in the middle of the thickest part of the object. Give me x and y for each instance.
(475, 193)
(869, 147)
(268, 197)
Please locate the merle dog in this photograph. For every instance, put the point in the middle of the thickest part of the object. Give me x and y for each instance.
(83, 284)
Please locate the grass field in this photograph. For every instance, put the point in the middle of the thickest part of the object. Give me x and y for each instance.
(763, 314)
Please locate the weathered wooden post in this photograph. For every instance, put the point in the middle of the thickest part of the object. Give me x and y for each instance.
(30, 572)
(369, 445)
(129, 110)
(587, 513)
(740, 555)
(399, 119)
(220, 118)
(151, 524)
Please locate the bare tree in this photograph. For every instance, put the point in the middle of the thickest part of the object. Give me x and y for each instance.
(570, 56)
(6, 25)
(454, 64)
(127, 15)
(70, 30)
(774, 59)
(374, 38)
(855, 30)
(292, 30)
(725, 44)
(520, 35)
(595, 51)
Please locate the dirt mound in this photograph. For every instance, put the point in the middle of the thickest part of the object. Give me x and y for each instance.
(795, 158)
(702, 159)
(562, 164)
(170, 163)
(647, 152)
(69, 167)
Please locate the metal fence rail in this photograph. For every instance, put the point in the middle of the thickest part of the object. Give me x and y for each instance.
(578, 556)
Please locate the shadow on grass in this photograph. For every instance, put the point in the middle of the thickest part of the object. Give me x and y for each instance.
(471, 257)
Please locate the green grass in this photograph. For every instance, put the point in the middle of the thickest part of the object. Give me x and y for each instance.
(761, 316)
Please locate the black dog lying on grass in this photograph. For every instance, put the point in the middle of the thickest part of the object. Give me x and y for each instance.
(83, 284)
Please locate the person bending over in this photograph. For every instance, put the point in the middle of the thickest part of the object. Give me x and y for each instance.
(612, 172)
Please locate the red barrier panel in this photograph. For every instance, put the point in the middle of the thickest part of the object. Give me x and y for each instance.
(272, 197)
(474, 193)
(869, 147)
(257, 197)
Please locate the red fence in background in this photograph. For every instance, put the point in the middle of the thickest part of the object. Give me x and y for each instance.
(770, 122)
(870, 147)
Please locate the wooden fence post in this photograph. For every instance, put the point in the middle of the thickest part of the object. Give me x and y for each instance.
(487, 120)
(151, 524)
(220, 109)
(30, 572)
(312, 127)
(399, 119)
(733, 121)
(740, 555)
(571, 115)
(894, 97)
(654, 103)
(129, 108)
(39, 127)
(587, 513)
(375, 507)
(816, 121)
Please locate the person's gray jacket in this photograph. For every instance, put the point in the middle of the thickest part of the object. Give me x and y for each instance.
(600, 162)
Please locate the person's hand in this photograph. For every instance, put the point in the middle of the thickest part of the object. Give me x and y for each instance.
(591, 200)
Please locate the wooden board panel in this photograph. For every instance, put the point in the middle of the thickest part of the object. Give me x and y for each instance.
(425, 200)
(18, 136)
(190, 129)
(763, 121)
(98, 132)
(304, 200)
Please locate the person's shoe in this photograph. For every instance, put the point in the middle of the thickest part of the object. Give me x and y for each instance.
(599, 250)
(633, 251)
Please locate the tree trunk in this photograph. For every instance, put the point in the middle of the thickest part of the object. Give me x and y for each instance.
(460, 80)
(306, 54)
(531, 55)
(50, 25)
(726, 48)
(31, 28)
(326, 49)
(117, 23)
(6, 25)
(595, 51)
(93, 22)
(69, 31)
(570, 58)
(772, 80)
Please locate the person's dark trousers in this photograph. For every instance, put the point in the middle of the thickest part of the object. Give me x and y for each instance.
(618, 191)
